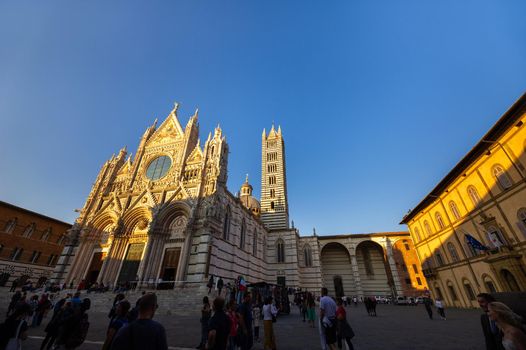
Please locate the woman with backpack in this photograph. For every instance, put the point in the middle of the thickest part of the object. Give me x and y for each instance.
(14, 330)
(73, 326)
(343, 328)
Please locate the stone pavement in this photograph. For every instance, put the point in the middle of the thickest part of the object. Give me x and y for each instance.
(395, 327)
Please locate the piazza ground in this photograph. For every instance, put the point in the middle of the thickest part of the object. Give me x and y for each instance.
(395, 327)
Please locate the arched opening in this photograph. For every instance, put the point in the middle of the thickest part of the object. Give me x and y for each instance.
(372, 268)
(135, 223)
(469, 290)
(510, 281)
(336, 270)
(489, 284)
(452, 292)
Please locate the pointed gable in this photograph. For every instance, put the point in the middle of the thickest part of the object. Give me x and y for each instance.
(126, 167)
(169, 130)
(196, 156)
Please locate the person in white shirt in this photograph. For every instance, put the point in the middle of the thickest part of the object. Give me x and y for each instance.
(328, 318)
(269, 314)
(440, 308)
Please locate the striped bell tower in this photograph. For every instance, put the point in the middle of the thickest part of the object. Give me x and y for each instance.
(274, 205)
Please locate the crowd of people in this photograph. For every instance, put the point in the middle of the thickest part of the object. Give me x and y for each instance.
(67, 328)
(231, 323)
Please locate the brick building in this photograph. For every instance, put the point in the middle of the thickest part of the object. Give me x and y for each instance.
(30, 244)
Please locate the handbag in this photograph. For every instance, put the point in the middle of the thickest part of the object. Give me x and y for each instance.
(14, 343)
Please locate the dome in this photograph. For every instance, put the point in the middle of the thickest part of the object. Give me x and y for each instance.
(246, 188)
(245, 195)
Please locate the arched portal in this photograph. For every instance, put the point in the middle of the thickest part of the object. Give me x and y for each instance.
(372, 268)
(336, 270)
(510, 281)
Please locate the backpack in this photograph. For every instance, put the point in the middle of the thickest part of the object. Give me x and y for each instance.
(78, 333)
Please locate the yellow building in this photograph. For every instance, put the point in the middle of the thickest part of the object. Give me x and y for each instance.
(481, 200)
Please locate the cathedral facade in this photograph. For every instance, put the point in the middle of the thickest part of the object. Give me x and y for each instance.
(165, 215)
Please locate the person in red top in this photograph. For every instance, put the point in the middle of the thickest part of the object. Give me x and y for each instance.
(343, 329)
(234, 324)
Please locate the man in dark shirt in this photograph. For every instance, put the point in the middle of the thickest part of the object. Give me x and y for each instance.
(492, 334)
(245, 314)
(218, 327)
(144, 333)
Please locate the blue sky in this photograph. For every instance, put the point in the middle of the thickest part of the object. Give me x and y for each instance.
(377, 100)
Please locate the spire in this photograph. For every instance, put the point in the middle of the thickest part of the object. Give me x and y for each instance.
(209, 137)
(155, 123)
(279, 130)
(246, 179)
(272, 132)
(217, 131)
(176, 107)
(264, 135)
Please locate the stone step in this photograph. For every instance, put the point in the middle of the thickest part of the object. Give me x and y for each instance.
(179, 301)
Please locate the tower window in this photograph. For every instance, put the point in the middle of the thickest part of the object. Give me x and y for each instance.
(272, 193)
(271, 205)
(272, 180)
(272, 156)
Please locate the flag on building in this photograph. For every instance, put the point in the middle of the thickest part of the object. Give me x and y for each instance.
(472, 241)
(495, 239)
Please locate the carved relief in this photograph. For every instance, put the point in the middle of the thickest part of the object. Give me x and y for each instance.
(178, 227)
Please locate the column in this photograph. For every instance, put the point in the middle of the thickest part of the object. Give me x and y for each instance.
(392, 265)
(183, 260)
(356, 272)
(152, 258)
(113, 262)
